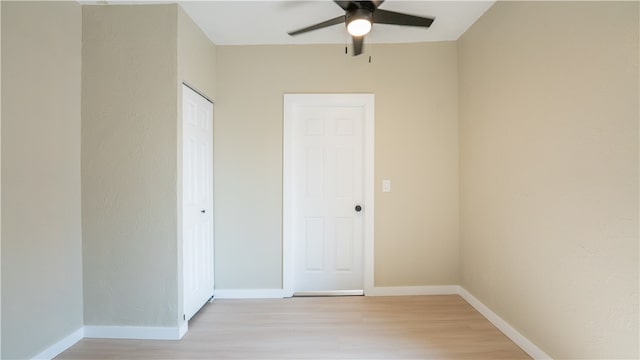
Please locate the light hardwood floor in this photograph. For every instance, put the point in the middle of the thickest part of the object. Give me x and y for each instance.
(403, 327)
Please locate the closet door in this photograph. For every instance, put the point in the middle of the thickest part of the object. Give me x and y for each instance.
(197, 200)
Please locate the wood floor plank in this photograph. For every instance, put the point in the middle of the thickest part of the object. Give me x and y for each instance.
(355, 327)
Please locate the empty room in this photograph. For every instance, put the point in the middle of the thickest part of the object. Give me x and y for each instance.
(320, 179)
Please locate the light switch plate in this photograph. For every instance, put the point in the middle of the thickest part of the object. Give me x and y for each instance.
(386, 185)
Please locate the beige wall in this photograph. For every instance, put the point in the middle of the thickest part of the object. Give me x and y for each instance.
(549, 172)
(196, 58)
(134, 60)
(416, 147)
(129, 170)
(41, 232)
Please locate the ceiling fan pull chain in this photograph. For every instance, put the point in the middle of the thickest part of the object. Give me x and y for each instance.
(347, 41)
(370, 41)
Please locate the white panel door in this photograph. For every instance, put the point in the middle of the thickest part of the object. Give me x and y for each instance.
(327, 191)
(197, 201)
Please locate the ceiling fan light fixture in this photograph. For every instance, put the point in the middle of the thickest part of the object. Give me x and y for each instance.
(359, 22)
(359, 27)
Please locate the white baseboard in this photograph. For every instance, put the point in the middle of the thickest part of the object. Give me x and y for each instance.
(113, 332)
(248, 294)
(134, 332)
(414, 290)
(183, 329)
(62, 345)
(513, 334)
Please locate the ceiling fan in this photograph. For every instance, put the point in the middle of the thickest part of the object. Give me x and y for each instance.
(361, 15)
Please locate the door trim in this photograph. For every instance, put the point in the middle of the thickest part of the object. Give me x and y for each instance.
(367, 101)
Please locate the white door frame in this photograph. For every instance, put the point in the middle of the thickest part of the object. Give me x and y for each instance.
(290, 100)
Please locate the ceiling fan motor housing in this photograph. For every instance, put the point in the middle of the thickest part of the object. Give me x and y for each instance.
(362, 13)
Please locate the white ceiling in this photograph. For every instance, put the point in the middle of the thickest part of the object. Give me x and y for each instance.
(267, 22)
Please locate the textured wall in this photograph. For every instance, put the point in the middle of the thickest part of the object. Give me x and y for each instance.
(196, 57)
(129, 169)
(41, 232)
(549, 172)
(416, 146)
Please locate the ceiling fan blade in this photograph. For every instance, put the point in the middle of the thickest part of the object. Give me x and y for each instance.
(324, 24)
(394, 18)
(358, 42)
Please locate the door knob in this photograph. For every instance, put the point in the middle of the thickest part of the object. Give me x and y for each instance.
(358, 208)
(202, 211)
